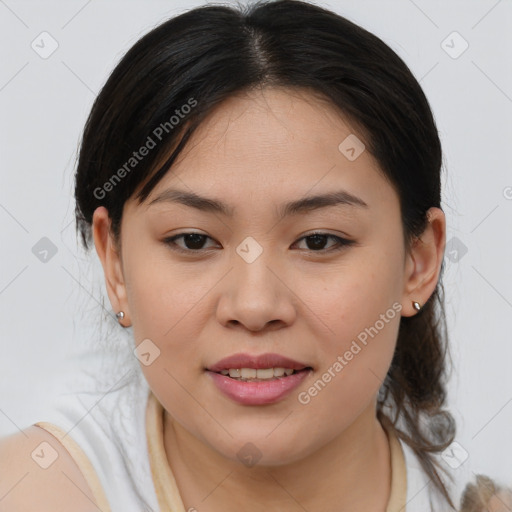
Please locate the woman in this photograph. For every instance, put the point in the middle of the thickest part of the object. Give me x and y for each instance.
(262, 187)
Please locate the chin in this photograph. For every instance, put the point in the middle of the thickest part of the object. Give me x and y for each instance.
(272, 451)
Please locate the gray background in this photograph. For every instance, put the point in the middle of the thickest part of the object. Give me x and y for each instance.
(53, 307)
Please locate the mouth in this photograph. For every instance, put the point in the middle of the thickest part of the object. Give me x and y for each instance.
(260, 374)
(257, 380)
(261, 367)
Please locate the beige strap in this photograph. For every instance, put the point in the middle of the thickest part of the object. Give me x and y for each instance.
(82, 461)
(168, 495)
(398, 495)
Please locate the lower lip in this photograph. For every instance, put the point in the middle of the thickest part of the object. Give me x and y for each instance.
(258, 393)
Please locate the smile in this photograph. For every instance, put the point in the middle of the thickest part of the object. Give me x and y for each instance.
(254, 374)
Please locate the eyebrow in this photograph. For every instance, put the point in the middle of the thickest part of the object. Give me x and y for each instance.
(297, 207)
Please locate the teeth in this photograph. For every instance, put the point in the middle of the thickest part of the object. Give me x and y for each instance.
(268, 373)
(248, 373)
(252, 373)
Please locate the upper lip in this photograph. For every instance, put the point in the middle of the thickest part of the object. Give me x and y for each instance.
(257, 361)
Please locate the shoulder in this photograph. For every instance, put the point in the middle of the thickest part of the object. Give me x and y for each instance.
(37, 472)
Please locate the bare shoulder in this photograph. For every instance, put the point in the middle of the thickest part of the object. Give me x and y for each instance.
(38, 473)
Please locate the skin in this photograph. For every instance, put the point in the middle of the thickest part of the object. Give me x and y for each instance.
(500, 502)
(256, 151)
(27, 484)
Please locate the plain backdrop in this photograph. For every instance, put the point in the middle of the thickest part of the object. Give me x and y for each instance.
(54, 313)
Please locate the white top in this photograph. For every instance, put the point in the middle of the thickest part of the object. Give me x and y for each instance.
(111, 430)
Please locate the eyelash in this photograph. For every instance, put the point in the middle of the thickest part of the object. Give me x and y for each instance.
(342, 242)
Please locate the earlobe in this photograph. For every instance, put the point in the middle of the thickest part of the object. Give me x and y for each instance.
(109, 256)
(423, 264)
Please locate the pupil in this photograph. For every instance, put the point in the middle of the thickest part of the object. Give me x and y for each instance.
(317, 238)
(195, 239)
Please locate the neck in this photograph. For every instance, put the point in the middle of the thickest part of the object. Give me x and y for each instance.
(351, 472)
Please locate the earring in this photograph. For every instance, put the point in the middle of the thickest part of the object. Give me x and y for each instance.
(120, 315)
(416, 305)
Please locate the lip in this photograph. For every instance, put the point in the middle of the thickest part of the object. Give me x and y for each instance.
(259, 392)
(261, 361)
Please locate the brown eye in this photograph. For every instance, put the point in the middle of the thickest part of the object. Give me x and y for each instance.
(193, 242)
(316, 242)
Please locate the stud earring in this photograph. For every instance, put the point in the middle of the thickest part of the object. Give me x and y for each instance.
(120, 315)
(416, 305)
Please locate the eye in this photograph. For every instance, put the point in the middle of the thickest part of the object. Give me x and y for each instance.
(194, 242)
(317, 242)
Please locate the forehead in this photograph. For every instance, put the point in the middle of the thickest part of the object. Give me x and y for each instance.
(273, 122)
(276, 143)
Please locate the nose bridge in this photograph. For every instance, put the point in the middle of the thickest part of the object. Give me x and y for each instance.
(255, 295)
(252, 270)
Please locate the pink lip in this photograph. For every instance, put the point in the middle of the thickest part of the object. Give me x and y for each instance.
(256, 361)
(258, 393)
(261, 392)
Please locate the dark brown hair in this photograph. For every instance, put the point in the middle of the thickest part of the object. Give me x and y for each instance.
(208, 54)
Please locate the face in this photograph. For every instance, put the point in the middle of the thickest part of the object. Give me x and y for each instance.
(203, 284)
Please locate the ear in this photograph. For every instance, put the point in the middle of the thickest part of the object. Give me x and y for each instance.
(110, 258)
(423, 262)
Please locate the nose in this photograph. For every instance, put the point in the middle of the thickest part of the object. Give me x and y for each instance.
(256, 296)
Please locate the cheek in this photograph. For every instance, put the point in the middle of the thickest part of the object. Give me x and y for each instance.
(354, 365)
(166, 307)
(351, 297)
(161, 294)
(358, 311)
(169, 306)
